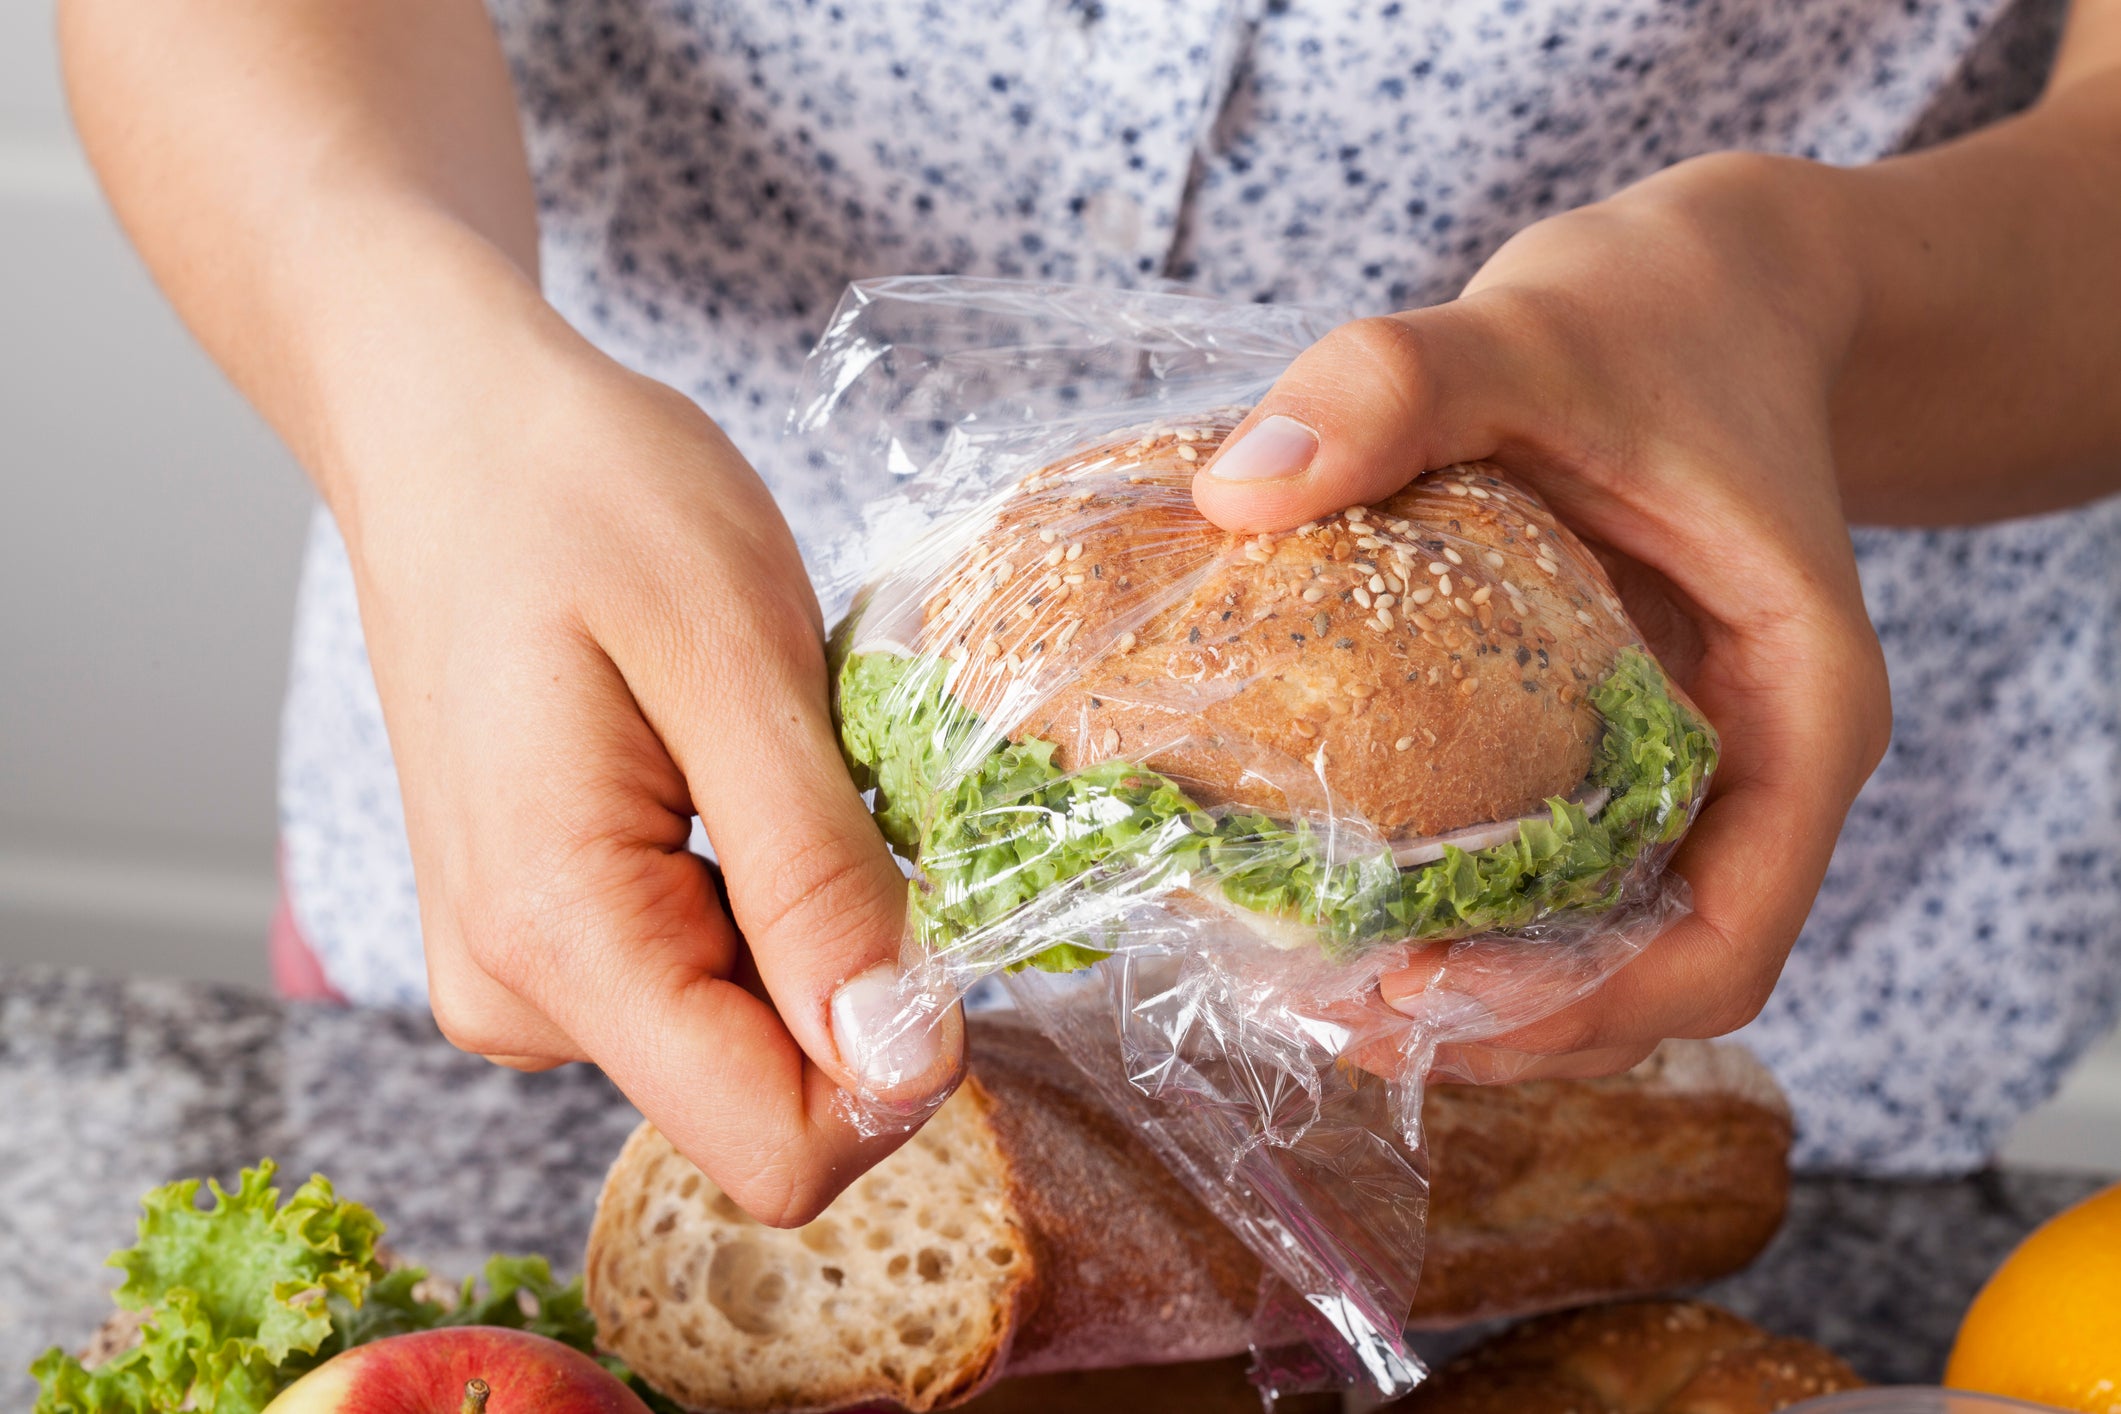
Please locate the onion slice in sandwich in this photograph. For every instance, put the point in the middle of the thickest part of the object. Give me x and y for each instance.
(1427, 850)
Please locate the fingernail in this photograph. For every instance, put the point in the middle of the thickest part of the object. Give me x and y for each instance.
(878, 1036)
(1274, 448)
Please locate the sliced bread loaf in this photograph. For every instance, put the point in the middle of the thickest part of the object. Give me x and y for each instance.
(1025, 1227)
(907, 1289)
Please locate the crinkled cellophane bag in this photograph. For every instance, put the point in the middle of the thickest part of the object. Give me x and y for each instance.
(1192, 793)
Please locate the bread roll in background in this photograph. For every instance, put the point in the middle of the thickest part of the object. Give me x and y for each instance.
(1026, 1229)
(1638, 1357)
(1555, 1193)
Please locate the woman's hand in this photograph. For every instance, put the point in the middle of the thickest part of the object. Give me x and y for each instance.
(585, 615)
(587, 622)
(1660, 367)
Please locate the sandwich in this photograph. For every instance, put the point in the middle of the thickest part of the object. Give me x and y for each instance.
(1420, 720)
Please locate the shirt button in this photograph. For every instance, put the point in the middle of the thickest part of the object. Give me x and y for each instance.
(1113, 220)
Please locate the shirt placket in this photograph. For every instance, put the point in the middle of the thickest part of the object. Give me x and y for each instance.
(1143, 83)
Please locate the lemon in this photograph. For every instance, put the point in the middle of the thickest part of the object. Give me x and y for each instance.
(2047, 1327)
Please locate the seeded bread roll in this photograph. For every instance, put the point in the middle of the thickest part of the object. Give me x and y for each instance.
(1431, 653)
(1025, 1228)
(1643, 1357)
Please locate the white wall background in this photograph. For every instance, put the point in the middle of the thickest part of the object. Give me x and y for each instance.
(149, 534)
(150, 530)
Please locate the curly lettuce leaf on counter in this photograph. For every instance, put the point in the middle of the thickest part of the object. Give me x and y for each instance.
(234, 1295)
(241, 1298)
(992, 823)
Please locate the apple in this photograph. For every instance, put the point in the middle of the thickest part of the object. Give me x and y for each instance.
(459, 1370)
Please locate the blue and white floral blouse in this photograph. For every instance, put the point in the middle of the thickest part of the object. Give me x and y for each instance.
(711, 173)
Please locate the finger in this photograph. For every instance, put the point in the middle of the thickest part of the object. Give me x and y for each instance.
(472, 870)
(1794, 759)
(612, 930)
(1706, 975)
(1753, 862)
(1497, 1065)
(817, 896)
(649, 994)
(1361, 413)
(819, 900)
(479, 1015)
(530, 1064)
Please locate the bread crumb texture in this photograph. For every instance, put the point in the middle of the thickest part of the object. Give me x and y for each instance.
(906, 1289)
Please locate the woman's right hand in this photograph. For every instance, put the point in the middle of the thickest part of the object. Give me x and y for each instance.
(585, 615)
(1660, 367)
(588, 621)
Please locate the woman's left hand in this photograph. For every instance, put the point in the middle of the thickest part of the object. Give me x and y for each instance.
(1659, 367)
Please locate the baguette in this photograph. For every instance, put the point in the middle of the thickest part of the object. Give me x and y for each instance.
(1553, 1194)
(1199, 1387)
(1026, 1227)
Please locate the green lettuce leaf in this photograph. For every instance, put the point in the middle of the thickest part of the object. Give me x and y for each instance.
(236, 1294)
(520, 1293)
(244, 1297)
(994, 824)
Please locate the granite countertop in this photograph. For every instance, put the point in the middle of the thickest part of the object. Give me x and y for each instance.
(110, 1086)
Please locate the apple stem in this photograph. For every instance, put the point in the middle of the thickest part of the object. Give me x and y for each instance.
(475, 1394)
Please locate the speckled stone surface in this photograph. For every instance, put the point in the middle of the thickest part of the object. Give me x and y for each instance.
(1881, 1271)
(108, 1087)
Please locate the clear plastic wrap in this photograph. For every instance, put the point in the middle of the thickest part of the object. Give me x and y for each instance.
(1193, 793)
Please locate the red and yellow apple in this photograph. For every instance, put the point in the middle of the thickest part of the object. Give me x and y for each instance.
(459, 1370)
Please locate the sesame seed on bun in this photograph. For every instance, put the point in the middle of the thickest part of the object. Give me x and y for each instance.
(1423, 662)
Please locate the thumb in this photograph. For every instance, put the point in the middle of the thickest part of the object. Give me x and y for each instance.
(1358, 415)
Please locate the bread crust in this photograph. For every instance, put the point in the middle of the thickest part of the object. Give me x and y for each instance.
(1552, 1193)
(1638, 1357)
(1205, 1387)
(1131, 1269)
(1423, 662)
